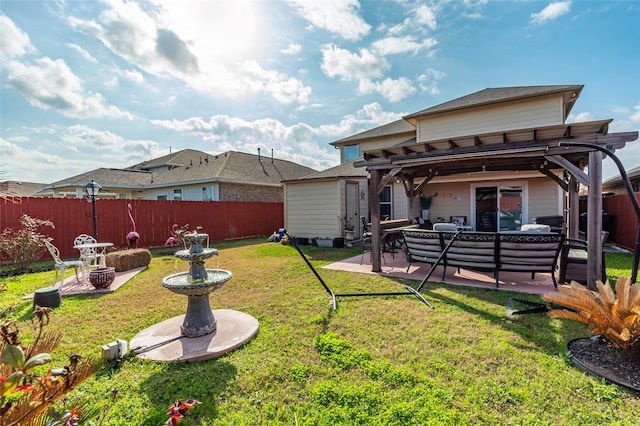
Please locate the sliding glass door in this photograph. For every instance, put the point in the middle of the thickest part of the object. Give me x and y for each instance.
(498, 208)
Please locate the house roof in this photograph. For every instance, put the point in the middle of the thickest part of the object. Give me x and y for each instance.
(341, 171)
(191, 166)
(632, 174)
(502, 94)
(12, 188)
(397, 127)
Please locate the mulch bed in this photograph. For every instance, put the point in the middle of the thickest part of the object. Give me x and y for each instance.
(599, 357)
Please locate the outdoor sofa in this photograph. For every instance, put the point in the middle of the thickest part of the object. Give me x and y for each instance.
(513, 251)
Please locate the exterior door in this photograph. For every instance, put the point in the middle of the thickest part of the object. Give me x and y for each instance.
(352, 213)
(498, 208)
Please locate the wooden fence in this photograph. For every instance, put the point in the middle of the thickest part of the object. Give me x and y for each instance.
(624, 225)
(223, 220)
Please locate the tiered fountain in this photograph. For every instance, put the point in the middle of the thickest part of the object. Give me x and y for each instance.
(201, 335)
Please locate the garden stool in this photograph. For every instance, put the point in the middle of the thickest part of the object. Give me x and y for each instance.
(47, 297)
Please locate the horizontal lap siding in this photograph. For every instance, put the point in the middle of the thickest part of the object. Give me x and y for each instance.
(525, 114)
(313, 209)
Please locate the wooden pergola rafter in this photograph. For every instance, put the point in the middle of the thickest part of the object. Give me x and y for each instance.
(509, 150)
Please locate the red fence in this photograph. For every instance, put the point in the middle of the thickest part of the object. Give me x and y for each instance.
(625, 222)
(223, 220)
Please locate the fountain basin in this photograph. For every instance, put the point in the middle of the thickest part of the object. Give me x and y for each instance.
(180, 283)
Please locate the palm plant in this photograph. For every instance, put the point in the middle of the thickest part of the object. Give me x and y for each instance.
(614, 316)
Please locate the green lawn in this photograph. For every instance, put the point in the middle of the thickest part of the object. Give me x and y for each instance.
(380, 360)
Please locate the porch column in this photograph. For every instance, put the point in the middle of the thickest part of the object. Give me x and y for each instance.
(573, 213)
(374, 208)
(411, 197)
(594, 222)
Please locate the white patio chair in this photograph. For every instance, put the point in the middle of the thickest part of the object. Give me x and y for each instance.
(61, 265)
(90, 256)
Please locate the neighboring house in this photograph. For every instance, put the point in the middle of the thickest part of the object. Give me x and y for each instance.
(492, 156)
(12, 188)
(190, 175)
(616, 186)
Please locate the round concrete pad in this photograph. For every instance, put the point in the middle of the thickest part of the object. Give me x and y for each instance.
(234, 329)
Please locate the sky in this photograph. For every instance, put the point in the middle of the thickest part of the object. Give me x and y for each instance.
(110, 83)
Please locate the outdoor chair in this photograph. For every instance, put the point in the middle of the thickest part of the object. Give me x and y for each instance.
(61, 265)
(574, 260)
(89, 256)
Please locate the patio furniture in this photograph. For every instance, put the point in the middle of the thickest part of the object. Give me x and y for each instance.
(366, 239)
(89, 254)
(529, 252)
(61, 265)
(574, 260)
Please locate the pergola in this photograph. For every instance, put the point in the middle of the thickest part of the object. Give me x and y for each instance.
(416, 164)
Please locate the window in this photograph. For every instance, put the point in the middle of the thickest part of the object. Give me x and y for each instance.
(177, 194)
(122, 196)
(351, 152)
(207, 193)
(161, 198)
(385, 203)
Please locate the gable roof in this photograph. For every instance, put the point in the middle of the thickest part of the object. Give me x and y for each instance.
(394, 128)
(344, 170)
(191, 166)
(502, 94)
(12, 188)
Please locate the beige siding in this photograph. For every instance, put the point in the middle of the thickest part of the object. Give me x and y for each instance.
(313, 209)
(545, 198)
(496, 118)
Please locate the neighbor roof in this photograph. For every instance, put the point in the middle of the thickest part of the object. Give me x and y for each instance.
(191, 166)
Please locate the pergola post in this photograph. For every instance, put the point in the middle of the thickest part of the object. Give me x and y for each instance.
(594, 222)
(374, 209)
(573, 213)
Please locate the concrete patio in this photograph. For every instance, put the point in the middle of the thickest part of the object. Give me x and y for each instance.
(395, 265)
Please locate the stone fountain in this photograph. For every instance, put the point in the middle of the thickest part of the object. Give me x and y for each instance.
(202, 333)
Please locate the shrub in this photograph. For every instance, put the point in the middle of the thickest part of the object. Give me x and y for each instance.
(24, 246)
(615, 316)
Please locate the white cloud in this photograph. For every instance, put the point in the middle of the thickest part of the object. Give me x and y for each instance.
(406, 44)
(198, 43)
(428, 81)
(426, 16)
(337, 62)
(392, 90)
(340, 18)
(580, 117)
(133, 75)
(292, 49)
(51, 147)
(51, 84)
(551, 12)
(14, 42)
(82, 52)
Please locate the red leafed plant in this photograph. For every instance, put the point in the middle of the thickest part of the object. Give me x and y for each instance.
(26, 393)
(180, 410)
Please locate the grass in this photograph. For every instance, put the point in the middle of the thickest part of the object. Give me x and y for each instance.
(381, 360)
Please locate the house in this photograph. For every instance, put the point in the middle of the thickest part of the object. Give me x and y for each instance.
(616, 185)
(499, 158)
(190, 175)
(12, 188)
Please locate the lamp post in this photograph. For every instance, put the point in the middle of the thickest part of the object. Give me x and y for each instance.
(92, 191)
